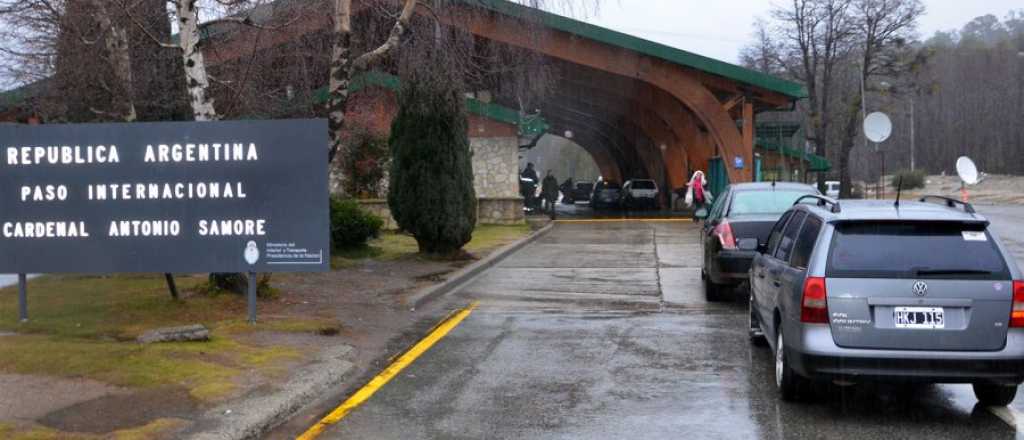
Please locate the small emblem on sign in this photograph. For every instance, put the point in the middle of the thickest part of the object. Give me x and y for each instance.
(252, 254)
(920, 288)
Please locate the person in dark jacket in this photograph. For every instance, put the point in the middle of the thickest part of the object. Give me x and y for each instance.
(530, 173)
(549, 191)
(567, 189)
(528, 183)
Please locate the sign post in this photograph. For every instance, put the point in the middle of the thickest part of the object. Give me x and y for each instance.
(22, 297)
(253, 287)
(169, 197)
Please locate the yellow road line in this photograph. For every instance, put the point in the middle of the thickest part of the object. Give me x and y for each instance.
(627, 220)
(367, 391)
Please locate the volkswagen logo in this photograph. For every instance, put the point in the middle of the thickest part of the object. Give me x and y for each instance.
(920, 288)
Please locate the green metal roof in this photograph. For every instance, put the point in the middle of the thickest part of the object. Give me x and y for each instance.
(815, 163)
(776, 130)
(710, 65)
(529, 125)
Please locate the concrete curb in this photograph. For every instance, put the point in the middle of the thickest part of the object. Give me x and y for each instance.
(466, 274)
(255, 415)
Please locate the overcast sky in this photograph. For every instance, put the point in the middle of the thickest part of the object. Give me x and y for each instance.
(719, 28)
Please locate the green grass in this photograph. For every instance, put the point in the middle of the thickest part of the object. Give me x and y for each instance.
(393, 246)
(85, 327)
(487, 238)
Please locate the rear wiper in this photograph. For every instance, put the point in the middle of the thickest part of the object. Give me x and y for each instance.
(919, 272)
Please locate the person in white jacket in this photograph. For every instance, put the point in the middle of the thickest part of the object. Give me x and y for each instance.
(697, 193)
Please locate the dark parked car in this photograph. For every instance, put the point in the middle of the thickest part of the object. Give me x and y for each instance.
(583, 191)
(606, 195)
(640, 193)
(871, 290)
(741, 218)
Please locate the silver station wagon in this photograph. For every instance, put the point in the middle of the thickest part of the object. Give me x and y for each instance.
(875, 290)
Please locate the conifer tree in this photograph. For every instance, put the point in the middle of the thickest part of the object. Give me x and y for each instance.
(431, 192)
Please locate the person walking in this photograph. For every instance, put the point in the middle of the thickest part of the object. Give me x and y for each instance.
(528, 182)
(697, 193)
(549, 191)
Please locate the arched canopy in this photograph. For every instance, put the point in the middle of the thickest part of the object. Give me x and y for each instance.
(641, 108)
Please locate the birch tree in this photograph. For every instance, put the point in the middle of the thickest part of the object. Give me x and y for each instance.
(196, 78)
(343, 67)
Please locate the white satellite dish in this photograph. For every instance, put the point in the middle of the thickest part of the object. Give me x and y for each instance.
(967, 170)
(877, 127)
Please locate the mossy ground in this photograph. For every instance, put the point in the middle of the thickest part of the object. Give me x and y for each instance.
(154, 429)
(392, 246)
(85, 327)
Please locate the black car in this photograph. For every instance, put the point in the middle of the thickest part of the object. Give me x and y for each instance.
(606, 195)
(583, 191)
(740, 219)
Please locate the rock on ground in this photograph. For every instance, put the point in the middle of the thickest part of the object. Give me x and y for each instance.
(176, 334)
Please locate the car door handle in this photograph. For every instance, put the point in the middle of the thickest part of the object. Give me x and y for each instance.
(776, 284)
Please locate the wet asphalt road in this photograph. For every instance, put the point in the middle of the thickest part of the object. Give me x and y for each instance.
(599, 330)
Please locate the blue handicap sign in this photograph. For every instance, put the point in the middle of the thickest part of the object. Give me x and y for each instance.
(737, 162)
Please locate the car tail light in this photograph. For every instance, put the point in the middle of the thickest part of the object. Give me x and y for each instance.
(1017, 313)
(724, 233)
(814, 306)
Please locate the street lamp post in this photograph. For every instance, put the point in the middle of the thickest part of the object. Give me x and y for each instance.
(912, 120)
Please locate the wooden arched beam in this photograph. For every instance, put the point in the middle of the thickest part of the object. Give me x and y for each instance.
(669, 77)
(633, 143)
(623, 150)
(598, 149)
(627, 115)
(687, 152)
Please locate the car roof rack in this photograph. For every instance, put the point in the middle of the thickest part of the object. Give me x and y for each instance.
(951, 203)
(821, 201)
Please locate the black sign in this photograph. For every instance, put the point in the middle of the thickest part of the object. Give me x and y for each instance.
(240, 196)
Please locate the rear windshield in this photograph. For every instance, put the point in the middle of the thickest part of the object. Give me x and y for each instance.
(643, 184)
(915, 250)
(763, 202)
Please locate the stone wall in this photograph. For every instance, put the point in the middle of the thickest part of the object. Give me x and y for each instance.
(500, 211)
(495, 166)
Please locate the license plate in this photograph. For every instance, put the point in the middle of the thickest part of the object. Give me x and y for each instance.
(919, 317)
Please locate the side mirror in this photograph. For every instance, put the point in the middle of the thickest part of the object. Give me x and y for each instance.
(748, 244)
(701, 213)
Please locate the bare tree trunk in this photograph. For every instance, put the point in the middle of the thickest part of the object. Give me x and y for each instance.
(341, 74)
(196, 79)
(849, 135)
(116, 41)
(344, 68)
